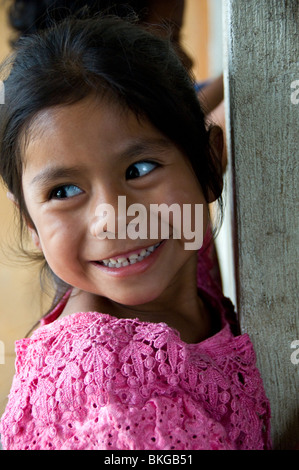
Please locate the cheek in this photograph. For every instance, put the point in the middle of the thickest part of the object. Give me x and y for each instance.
(62, 253)
(186, 211)
(194, 209)
(59, 239)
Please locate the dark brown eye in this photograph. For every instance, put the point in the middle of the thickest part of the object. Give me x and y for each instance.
(140, 169)
(65, 192)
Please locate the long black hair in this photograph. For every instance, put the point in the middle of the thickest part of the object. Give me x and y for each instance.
(112, 57)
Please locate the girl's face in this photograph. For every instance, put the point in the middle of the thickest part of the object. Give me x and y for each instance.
(87, 154)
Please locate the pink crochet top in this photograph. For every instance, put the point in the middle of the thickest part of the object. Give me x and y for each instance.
(92, 381)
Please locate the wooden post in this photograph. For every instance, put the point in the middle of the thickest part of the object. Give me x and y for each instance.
(261, 55)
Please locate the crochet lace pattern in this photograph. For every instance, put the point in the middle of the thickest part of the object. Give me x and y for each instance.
(92, 381)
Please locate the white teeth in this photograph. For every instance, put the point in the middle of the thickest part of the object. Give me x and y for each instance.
(133, 256)
(132, 259)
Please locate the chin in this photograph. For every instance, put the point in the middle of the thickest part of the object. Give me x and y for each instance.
(133, 299)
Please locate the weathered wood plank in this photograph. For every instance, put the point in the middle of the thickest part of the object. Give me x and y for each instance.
(262, 51)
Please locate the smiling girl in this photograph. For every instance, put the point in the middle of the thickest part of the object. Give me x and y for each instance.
(142, 351)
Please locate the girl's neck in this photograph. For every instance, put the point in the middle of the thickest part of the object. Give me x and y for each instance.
(189, 315)
(179, 306)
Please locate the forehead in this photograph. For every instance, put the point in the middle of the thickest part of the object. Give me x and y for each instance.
(86, 129)
(72, 120)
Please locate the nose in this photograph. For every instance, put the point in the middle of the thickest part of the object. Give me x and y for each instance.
(108, 217)
(111, 220)
(125, 221)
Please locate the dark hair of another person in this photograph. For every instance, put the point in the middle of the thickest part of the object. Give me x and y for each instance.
(31, 16)
(112, 58)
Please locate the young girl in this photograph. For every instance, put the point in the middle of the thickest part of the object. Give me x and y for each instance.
(142, 351)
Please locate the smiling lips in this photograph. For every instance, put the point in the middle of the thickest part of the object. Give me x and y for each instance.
(122, 261)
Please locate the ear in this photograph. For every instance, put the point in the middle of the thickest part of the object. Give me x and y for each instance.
(11, 197)
(216, 141)
(29, 224)
(217, 116)
(34, 236)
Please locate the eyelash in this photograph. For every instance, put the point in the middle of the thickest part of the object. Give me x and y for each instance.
(54, 192)
(144, 162)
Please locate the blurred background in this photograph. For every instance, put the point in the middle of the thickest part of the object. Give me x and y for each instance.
(21, 303)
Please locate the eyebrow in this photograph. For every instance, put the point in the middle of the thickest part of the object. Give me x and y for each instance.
(145, 147)
(135, 149)
(50, 174)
